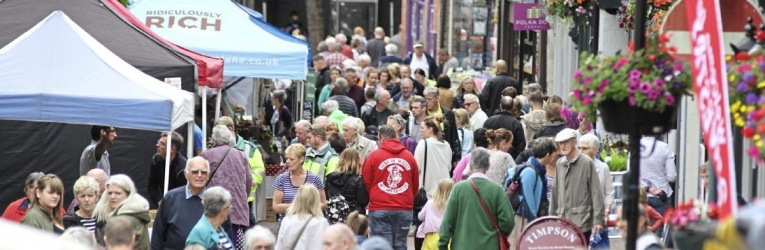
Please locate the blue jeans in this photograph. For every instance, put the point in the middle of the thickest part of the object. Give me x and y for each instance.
(392, 225)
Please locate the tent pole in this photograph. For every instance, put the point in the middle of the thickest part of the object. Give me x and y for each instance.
(217, 103)
(167, 161)
(204, 118)
(190, 140)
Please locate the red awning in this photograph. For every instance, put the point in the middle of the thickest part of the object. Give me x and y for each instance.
(210, 68)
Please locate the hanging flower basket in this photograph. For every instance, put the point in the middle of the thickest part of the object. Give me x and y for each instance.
(746, 79)
(640, 88)
(567, 9)
(657, 9)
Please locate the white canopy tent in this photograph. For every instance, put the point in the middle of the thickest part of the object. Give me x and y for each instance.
(57, 72)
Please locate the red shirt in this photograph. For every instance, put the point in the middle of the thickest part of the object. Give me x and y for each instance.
(391, 177)
(347, 52)
(18, 209)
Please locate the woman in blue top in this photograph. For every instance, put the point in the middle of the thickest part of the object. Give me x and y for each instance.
(208, 231)
(465, 134)
(286, 184)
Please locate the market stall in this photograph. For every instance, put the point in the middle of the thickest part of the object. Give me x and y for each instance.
(82, 82)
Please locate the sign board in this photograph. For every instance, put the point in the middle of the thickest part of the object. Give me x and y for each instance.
(551, 232)
(174, 81)
(309, 97)
(711, 86)
(529, 16)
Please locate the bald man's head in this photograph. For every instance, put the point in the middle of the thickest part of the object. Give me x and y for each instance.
(100, 176)
(501, 66)
(339, 237)
(506, 103)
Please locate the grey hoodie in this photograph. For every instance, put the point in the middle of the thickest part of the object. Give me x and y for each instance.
(533, 121)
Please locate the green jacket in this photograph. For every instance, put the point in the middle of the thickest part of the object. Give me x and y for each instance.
(465, 225)
(577, 194)
(337, 117)
(321, 163)
(38, 218)
(257, 167)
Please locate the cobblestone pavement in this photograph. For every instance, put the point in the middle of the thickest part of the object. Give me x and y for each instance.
(616, 244)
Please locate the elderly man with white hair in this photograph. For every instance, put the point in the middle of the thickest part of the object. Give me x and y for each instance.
(229, 169)
(364, 63)
(258, 238)
(172, 224)
(339, 237)
(301, 128)
(351, 135)
(345, 50)
(391, 56)
(376, 46)
(589, 144)
(473, 107)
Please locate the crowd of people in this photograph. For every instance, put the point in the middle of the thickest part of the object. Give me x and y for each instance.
(397, 149)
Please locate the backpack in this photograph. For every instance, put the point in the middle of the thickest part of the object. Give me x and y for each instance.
(513, 186)
(337, 209)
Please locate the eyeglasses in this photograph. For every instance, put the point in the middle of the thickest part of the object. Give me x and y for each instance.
(197, 172)
(583, 148)
(467, 104)
(161, 143)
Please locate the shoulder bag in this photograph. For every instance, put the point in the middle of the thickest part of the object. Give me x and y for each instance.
(503, 245)
(422, 195)
(217, 167)
(300, 233)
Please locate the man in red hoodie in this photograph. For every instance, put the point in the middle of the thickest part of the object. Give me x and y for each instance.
(392, 180)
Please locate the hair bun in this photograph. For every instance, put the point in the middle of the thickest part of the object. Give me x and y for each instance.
(491, 134)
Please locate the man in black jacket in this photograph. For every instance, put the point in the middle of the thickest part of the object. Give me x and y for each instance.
(156, 182)
(450, 128)
(505, 120)
(492, 90)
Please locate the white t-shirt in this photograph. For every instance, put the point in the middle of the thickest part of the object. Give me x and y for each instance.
(421, 63)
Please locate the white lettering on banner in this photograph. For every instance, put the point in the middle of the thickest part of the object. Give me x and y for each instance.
(394, 167)
(711, 88)
(556, 231)
(251, 61)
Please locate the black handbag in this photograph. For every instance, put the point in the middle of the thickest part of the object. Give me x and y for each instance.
(422, 195)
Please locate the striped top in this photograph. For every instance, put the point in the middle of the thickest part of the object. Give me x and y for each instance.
(223, 242)
(283, 183)
(90, 224)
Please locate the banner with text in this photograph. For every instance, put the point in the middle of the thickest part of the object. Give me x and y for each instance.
(711, 87)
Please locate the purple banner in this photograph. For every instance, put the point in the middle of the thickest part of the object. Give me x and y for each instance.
(529, 16)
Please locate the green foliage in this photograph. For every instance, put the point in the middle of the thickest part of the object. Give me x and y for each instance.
(618, 162)
(125, 3)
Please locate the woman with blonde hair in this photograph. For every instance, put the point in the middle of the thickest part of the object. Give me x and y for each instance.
(86, 194)
(47, 205)
(346, 185)
(464, 133)
(432, 214)
(304, 225)
(286, 184)
(122, 198)
(395, 74)
(467, 86)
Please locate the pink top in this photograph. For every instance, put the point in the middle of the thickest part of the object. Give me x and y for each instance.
(461, 166)
(431, 218)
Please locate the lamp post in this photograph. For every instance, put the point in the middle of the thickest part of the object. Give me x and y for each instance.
(631, 189)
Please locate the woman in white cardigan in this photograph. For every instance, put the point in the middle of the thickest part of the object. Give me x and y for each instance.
(437, 152)
(304, 225)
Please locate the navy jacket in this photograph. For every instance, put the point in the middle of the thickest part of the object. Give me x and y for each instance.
(175, 218)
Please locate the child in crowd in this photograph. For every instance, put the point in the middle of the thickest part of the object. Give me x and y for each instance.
(359, 224)
(432, 213)
(653, 216)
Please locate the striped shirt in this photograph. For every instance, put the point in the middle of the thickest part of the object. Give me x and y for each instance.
(90, 224)
(223, 242)
(283, 183)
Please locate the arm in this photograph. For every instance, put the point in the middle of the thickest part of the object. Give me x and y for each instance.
(655, 216)
(422, 213)
(279, 206)
(8, 213)
(257, 167)
(505, 213)
(419, 157)
(159, 233)
(247, 172)
(598, 207)
(362, 198)
(367, 174)
(609, 191)
(554, 199)
(519, 142)
(286, 121)
(670, 167)
(529, 182)
(460, 168)
(448, 220)
(454, 141)
(323, 197)
(485, 96)
(155, 195)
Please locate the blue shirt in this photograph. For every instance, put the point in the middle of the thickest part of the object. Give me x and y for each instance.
(197, 138)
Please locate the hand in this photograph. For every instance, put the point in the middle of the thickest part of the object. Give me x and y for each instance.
(159, 203)
(597, 228)
(655, 191)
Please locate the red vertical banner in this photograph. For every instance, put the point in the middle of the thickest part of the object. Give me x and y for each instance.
(711, 87)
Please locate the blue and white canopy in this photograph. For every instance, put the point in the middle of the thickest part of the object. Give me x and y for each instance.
(57, 72)
(249, 46)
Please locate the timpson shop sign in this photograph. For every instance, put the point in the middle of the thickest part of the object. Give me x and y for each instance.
(551, 232)
(186, 19)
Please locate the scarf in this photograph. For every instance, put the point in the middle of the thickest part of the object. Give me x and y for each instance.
(542, 172)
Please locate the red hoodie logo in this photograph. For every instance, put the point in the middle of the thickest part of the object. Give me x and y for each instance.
(394, 167)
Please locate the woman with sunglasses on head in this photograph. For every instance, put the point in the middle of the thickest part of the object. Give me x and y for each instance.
(47, 205)
(122, 199)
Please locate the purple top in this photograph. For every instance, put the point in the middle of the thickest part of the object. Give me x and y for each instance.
(461, 166)
(233, 174)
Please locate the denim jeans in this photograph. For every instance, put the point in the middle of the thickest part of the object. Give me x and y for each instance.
(392, 225)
